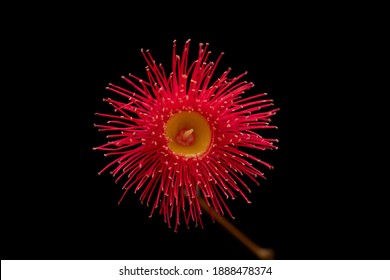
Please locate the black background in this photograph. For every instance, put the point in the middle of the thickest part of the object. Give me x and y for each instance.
(315, 204)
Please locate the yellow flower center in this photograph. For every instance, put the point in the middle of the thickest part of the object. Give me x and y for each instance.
(189, 134)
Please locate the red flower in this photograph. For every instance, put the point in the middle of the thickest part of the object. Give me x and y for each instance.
(177, 136)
